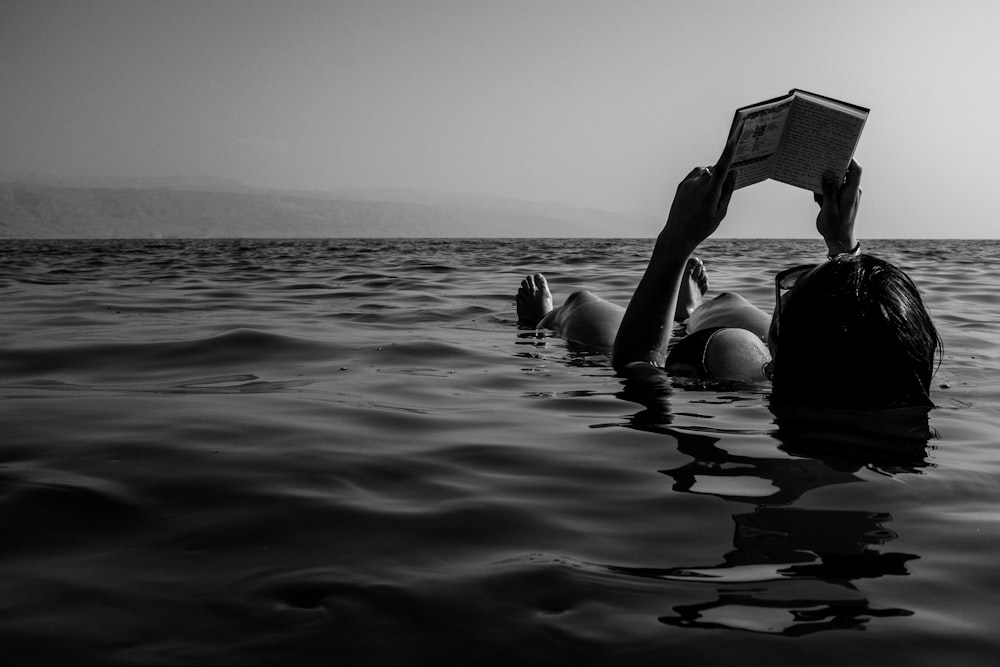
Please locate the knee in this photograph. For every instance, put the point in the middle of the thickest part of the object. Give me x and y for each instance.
(580, 297)
(728, 298)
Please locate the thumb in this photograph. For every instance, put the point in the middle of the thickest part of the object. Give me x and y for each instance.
(727, 193)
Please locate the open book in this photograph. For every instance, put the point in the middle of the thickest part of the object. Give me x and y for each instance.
(794, 139)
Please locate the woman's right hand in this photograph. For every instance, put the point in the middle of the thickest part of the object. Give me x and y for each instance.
(838, 208)
(699, 205)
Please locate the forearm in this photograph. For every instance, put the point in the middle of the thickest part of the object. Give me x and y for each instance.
(699, 205)
(648, 322)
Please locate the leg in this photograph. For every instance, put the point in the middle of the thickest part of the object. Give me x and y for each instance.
(587, 319)
(730, 310)
(692, 292)
(584, 318)
(534, 300)
(725, 310)
(738, 350)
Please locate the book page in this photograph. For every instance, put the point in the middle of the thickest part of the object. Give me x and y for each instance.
(818, 139)
(759, 134)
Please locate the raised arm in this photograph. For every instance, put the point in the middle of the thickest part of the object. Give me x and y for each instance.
(838, 207)
(699, 206)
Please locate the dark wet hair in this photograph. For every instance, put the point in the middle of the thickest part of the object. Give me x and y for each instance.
(855, 333)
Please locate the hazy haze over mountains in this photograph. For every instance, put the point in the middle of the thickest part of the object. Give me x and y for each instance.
(41, 207)
(601, 104)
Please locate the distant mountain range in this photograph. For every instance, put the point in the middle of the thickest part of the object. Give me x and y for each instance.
(48, 208)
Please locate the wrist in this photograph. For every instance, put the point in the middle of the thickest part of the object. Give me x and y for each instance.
(673, 249)
(855, 250)
(841, 245)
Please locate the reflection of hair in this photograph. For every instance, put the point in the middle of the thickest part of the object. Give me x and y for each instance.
(855, 332)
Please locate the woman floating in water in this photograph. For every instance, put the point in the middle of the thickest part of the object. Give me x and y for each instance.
(851, 332)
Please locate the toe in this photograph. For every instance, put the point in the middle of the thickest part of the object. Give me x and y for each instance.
(699, 274)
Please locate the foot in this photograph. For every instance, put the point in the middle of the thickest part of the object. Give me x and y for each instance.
(693, 289)
(534, 300)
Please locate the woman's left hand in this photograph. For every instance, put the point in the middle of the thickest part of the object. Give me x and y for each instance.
(838, 207)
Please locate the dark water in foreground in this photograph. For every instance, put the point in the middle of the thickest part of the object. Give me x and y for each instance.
(328, 452)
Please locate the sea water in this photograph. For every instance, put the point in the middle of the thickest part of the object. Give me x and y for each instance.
(346, 452)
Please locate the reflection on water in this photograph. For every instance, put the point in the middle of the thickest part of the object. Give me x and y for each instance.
(792, 570)
(747, 478)
(791, 617)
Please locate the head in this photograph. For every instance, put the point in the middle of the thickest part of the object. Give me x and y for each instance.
(853, 332)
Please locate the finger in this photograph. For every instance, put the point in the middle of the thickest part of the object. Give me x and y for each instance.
(829, 185)
(853, 179)
(726, 159)
(727, 194)
(697, 171)
(720, 172)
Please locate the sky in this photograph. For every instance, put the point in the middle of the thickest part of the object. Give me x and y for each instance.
(599, 104)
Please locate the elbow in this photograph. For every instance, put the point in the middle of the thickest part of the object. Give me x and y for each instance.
(625, 360)
(620, 359)
(619, 363)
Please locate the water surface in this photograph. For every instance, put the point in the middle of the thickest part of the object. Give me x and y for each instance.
(318, 452)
